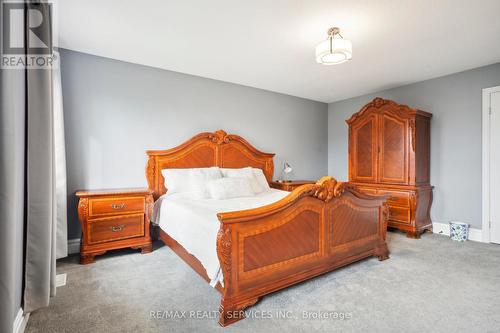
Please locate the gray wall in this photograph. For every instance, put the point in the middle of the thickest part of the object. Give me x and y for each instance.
(114, 111)
(455, 102)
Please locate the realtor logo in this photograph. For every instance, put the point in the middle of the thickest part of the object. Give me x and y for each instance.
(27, 35)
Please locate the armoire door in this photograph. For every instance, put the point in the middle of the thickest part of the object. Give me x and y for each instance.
(393, 159)
(363, 155)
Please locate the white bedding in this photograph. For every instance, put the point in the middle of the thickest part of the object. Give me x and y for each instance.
(193, 223)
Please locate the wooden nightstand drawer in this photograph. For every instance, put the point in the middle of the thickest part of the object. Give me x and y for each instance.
(114, 228)
(115, 206)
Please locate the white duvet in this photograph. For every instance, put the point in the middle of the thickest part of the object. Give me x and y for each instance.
(193, 223)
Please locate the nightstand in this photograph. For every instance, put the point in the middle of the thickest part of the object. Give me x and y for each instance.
(289, 185)
(114, 219)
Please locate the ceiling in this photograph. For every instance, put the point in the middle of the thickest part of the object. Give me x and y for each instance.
(269, 44)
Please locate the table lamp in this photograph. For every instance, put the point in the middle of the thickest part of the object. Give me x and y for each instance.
(284, 173)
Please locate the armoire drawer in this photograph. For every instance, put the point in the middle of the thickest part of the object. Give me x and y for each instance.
(399, 214)
(367, 190)
(399, 198)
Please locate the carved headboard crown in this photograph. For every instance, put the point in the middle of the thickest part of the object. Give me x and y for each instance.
(206, 150)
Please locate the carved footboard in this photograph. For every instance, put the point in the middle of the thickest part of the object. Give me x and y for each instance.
(315, 229)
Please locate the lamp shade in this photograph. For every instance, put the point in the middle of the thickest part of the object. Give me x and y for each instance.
(334, 50)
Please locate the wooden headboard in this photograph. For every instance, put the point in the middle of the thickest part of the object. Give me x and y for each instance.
(206, 150)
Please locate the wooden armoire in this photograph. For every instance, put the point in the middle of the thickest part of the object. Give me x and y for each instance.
(389, 153)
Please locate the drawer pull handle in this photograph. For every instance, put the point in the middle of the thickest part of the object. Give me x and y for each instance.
(117, 228)
(120, 206)
(394, 198)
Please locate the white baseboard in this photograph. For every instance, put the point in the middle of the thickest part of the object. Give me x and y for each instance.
(73, 245)
(475, 235)
(20, 321)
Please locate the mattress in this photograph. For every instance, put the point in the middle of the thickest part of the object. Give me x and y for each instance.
(193, 223)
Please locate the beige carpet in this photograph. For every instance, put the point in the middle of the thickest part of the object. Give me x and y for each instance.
(428, 285)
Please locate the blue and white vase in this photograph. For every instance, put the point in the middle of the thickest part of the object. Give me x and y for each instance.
(459, 231)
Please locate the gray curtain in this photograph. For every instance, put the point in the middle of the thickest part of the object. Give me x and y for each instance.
(32, 188)
(60, 162)
(46, 227)
(12, 162)
(40, 256)
(12, 181)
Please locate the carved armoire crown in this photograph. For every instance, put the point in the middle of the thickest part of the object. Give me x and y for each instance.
(389, 153)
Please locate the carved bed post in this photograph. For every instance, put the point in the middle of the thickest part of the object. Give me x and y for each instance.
(230, 309)
(151, 175)
(382, 251)
(224, 254)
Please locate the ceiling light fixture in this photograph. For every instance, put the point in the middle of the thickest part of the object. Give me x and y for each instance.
(334, 50)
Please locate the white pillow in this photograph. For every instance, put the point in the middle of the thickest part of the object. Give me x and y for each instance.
(261, 179)
(244, 173)
(191, 181)
(226, 188)
(231, 172)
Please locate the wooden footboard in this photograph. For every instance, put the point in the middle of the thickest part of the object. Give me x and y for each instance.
(315, 229)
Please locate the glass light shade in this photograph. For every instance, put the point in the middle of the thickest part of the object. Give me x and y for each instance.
(339, 51)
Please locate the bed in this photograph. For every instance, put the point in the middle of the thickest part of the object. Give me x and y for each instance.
(282, 239)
